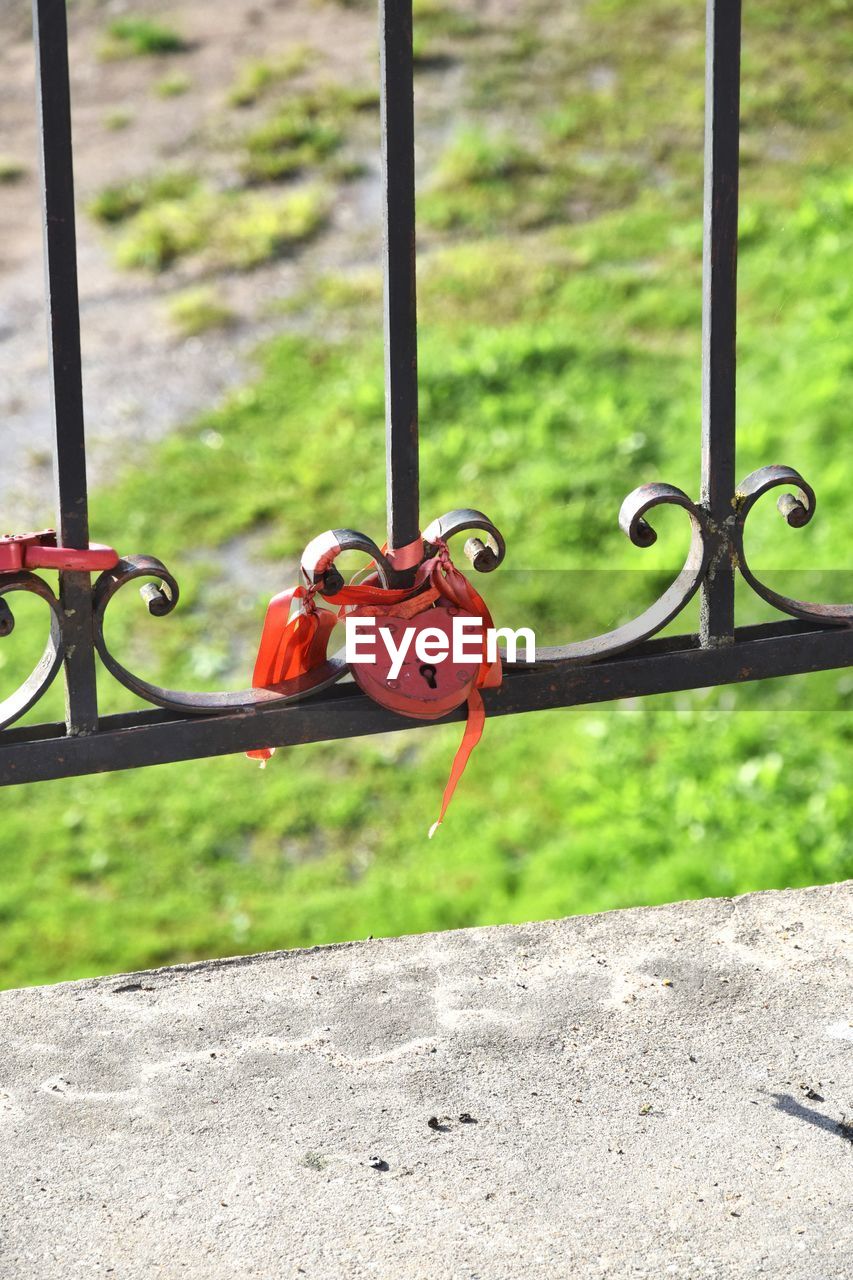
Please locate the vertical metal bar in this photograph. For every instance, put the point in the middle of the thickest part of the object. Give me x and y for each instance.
(50, 34)
(401, 347)
(719, 308)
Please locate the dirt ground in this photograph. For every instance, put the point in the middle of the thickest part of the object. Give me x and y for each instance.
(140, 378)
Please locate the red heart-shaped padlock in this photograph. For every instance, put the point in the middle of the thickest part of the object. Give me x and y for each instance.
(423, 689)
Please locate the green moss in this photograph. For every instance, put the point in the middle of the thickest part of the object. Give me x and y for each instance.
(256, 228)
(162, 232)
(293, 140)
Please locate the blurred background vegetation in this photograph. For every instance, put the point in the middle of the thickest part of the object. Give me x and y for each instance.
(560, 206)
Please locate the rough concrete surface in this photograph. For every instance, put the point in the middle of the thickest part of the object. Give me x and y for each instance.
(650, 1093)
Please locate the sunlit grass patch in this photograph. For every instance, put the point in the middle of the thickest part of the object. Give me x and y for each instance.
(173, 86)
(255, 228)
(297, 137)
(225, 230)
(11, 170)
(486, 180)
(256, 77)
(492, 180)
(304, 130)
(120, 201)
(481, 181)
(118, 119)
(437, 27)
(131, 36)
(476, 155)
(336, 295)
(198, 310)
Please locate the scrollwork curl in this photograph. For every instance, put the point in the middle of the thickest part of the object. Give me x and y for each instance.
(797, 510)
(48, 665)
(160, 593)
(632, 520)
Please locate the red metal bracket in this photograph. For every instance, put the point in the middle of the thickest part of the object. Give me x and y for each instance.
(39, 551)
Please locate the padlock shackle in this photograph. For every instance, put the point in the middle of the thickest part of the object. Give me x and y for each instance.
(318, 560)
(395, 566)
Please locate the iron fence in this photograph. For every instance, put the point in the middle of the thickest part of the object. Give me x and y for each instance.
(626, 662)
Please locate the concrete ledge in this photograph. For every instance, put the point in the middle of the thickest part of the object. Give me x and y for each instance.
(649, 1093)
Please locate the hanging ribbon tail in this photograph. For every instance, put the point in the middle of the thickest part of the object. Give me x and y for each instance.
(275, 626)
(470, 738)
(289, 646)
(318, 650)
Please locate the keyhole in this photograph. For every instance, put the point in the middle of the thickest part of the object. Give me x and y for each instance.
(428, 673)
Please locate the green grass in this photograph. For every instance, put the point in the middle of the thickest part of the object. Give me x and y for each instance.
(616, 110)
(121, 201)
(258, 76)
(118, 120)
(173, 86)
(198, 310)
(559, 368)
(484, 178)
(137, 37)
(166, 218)
(173, 216)
(11, 170)
(222, 230)
(293, 140)
(302, 132)
(437, 31)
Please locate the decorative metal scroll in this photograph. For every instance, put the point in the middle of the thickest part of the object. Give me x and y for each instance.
(797, 509)
(160, 592)
(44, 672)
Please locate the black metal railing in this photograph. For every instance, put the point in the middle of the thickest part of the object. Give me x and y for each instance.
(626, 662)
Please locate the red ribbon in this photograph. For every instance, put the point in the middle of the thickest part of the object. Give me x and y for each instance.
(291, 646)
(453, 585)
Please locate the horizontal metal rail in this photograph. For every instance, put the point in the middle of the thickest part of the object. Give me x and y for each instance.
(657, 667)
